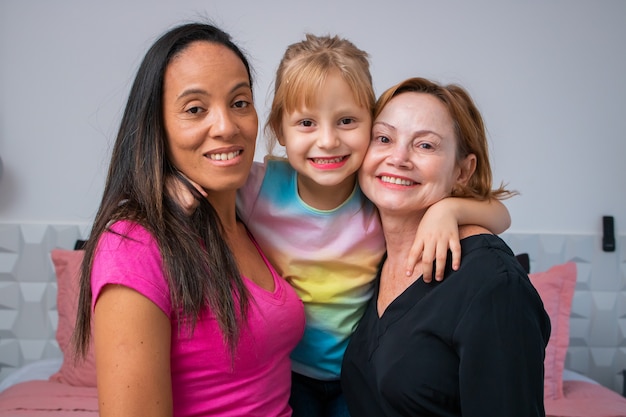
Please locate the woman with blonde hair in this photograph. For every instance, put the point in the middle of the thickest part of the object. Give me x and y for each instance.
(474, 343)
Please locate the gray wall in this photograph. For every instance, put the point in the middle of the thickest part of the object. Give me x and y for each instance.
(548, 76)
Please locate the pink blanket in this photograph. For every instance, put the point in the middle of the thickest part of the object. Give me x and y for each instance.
(53, 399)
(584, 399)
(50, 399)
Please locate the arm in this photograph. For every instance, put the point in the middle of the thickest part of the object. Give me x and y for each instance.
(132, 344)
(439, 231)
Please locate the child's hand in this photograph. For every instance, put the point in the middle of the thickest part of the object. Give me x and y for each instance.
(438, 232)
(180, 193)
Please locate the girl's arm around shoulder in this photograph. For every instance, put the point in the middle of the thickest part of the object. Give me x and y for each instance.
(439, 231)
(132, 345)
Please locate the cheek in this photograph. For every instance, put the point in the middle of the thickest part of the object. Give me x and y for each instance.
(252, 127)
(444, 175)
(250, 132)
(295, 156)
(360, 140)
(181, 150)
(182, 136)
(180, 159)
(367, 170)
(177, 150)
(362, 147)
(294, 144)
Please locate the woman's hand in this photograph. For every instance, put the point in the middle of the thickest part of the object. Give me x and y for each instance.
(181, 194)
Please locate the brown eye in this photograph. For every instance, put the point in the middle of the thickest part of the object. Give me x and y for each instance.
(241, 104)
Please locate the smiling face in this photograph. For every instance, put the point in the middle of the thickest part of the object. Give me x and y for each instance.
(326, 142)
(412, 159)
(210, 119)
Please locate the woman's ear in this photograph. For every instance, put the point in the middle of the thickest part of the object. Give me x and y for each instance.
(466, 169)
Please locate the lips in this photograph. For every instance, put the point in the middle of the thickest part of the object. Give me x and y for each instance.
(224, 156)
(322, 161)
(397, 181)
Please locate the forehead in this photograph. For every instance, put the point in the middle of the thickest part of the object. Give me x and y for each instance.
(202, 58)
(305, 88)
(417, 111)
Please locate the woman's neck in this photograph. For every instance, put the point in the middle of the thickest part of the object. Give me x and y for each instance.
(400, 232)
(225, 206)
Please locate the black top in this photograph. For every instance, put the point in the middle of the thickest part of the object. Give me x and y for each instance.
(471, 345)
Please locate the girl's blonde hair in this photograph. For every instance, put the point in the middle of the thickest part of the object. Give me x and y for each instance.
(304, 68)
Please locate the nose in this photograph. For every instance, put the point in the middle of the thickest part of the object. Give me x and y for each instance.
(328, 138)
(400, 156)
(223, 123)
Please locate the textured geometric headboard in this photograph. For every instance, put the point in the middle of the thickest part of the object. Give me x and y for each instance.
(28, 312)
(598, 318)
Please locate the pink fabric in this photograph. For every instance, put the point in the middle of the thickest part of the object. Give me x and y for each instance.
(584, 399)
(50, 399)
(556, 288)
(204, 381)
(67, 265)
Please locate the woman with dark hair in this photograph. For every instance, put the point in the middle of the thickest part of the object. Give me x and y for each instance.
(189, 317)
(474, 343)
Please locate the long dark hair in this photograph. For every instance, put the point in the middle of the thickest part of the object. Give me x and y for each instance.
(200, 268)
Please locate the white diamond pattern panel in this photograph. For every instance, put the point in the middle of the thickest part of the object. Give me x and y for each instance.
(28, 311)
(598, 318)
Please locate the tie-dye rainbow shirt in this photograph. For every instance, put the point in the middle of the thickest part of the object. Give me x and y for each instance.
(330, 257)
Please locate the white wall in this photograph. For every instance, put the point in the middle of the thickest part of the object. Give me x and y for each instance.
(549, 76)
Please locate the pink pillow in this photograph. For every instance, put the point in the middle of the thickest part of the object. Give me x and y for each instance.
(556, 289)
(67, 264)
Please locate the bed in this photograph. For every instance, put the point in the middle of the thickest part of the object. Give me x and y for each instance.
(58, 386)
(62, 387)
(34, 390)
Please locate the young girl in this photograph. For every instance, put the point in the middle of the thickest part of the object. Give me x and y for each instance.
(310, 218)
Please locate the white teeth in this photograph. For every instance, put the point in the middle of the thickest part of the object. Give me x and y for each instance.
(328, 161)
(224, 156)
(394, 180)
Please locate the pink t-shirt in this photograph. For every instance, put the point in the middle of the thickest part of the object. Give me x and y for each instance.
(203, 381)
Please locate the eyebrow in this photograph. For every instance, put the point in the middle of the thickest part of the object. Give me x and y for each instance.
(384, 124)
(191, 91)
(417, 132)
